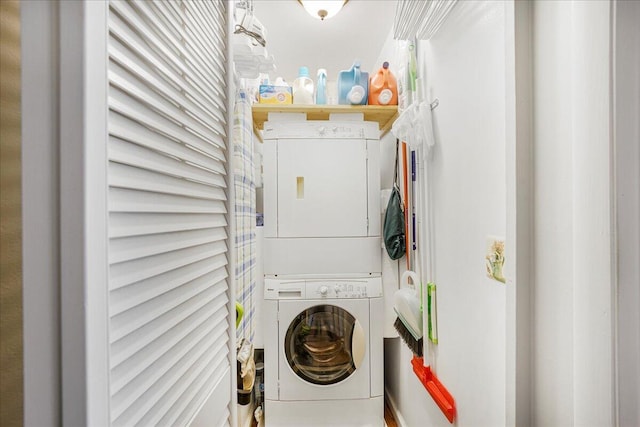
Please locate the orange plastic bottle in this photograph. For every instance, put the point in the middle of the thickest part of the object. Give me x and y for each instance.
(383, 87)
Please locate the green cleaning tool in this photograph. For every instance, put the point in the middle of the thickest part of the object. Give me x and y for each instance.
(432, 312)
(239, 313)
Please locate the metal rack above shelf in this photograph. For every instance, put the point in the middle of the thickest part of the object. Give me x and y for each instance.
(383, 114)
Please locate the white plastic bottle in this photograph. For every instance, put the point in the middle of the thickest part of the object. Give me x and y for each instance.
(303, 87)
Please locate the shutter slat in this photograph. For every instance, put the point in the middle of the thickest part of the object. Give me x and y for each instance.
(148, 56)
(130, 248)
(156, 97)
(167, 62)
(123, 224)
(131, 162)
(125, 153)
(174, 415)
(133, 109)
(124, 176)
(128, 131)
(126, 273)
(215, 55)
(192, 56)
(200, 81)
(145, 74)
(129, 321)
(127, 413)
(184, 318)
(198, 400)
(125, 298)
(201, 20)
(131, 369)
(209, 21)
(195, 38)
(188, 375)
(180, 378)
(123, 200)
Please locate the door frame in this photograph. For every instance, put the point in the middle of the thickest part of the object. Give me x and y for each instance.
(626, 161)
(64, 122)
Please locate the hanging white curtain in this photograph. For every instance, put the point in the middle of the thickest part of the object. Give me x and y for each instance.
(420, 19)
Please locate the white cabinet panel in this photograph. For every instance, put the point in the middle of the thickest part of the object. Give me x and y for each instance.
(322, 188)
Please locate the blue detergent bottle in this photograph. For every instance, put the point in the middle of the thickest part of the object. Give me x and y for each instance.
(321, 87)
(353, 86)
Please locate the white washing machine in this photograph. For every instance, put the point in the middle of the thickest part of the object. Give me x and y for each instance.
(323, 308)
(324, 352)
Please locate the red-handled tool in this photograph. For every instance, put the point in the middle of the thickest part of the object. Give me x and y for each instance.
(438, 392)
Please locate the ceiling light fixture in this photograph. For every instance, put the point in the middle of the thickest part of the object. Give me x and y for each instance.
(322, 9)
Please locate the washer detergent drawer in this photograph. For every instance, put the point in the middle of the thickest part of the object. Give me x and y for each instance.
(324, 349)
(322, 188)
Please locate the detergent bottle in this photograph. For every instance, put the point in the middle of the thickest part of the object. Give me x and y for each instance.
(303, 87)
(321, 87)
(353, 86)
(383, 87)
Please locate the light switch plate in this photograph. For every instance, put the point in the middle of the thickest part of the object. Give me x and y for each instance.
(494, 258)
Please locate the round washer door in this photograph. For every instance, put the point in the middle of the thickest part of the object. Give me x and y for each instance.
(324, 344)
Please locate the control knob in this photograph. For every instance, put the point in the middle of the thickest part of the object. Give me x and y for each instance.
(324, 290)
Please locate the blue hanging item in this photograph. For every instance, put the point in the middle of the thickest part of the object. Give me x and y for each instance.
(353, 86)
(321, 87)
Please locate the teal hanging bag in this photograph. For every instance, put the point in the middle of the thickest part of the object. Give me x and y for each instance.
(394, 225)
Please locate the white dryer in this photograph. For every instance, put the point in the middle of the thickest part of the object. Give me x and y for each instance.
(321, 198)
(324, 352)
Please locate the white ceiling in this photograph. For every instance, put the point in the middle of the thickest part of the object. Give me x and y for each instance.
(295, 38)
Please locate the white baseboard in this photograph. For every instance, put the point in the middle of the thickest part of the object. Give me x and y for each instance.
(394, 409)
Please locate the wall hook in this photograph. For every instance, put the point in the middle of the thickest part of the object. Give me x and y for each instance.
(434, 104)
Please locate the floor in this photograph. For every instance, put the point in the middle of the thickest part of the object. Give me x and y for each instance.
(388, 415)
(389, 421)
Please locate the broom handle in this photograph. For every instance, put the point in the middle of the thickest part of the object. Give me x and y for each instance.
(407, 237)
(427, 247)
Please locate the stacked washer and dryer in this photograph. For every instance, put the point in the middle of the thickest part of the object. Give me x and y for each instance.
(323, 308)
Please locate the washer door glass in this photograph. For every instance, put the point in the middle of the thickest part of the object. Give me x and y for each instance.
(324, 344)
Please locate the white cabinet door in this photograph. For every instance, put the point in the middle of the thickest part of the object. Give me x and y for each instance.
(322, 188)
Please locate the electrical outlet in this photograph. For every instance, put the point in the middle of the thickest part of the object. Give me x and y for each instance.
(494, 258)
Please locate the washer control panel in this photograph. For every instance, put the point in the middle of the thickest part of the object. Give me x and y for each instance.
(337, 289)
(323, 288)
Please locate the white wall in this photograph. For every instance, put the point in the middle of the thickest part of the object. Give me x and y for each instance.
(465, 70)
(627, 136)
(574, 274)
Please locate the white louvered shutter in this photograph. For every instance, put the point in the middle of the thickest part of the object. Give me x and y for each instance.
(168, 240)
(420, 19)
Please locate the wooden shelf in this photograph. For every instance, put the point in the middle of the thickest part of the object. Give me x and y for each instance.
(383, 114)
